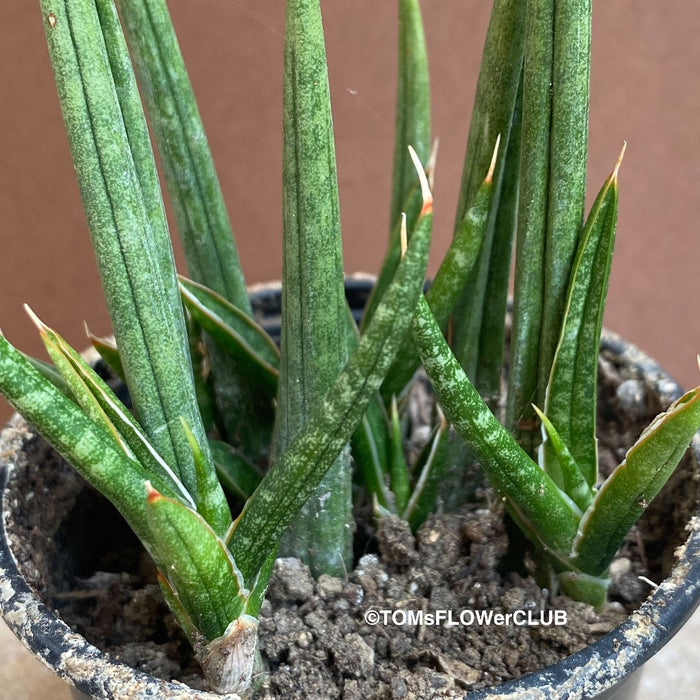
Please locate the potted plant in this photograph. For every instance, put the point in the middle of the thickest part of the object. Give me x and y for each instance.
(216, 404)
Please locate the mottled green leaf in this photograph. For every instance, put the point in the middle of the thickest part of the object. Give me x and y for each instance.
(552, 516)
(199, 207)
(236, 334)
(297, 471)
(398, 466)
(314, 340)
(552, 193)
(571, 392)
(116, 172)
(411, 208)
(210, 505)
(493, 114)
(196, 564)
(91, 450)
(412, 105)
(449, 281)
(370, 451)
(102, 406)
(632, 486)
(108, 351)
(237, 474)
(572, 480)
(431, 464)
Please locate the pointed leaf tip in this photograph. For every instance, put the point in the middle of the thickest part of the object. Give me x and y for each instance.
(616, 169)
(35, 319)
(424, 185)
(432, 162)
(494, 158)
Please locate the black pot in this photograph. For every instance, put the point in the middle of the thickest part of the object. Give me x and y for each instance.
(610, 668)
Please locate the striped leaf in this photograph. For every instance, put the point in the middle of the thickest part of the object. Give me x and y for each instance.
(314, 322)
(553, 178)
(412, 105)
(119, 187)
(571, 392)
(190, 175)
(297, 472)
(89, 447)
(453, 273)
(493, 114)
(196, 564)
(632, 486)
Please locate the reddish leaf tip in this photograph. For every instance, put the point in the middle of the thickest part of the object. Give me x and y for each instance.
(151, 494)
(424, 185)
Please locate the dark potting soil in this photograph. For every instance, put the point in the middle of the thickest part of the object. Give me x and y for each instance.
(369, 635)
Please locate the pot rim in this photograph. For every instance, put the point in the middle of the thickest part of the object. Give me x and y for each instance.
(587, 673)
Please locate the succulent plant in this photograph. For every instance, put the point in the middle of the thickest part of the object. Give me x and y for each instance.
(216, 406)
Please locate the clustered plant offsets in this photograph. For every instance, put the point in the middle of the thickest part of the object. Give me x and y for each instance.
(223, 422)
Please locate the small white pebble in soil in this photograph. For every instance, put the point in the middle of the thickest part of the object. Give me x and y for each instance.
(304, 639)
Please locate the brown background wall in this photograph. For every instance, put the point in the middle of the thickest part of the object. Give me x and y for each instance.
(645, 89)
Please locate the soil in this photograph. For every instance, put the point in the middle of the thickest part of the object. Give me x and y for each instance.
(354, 638)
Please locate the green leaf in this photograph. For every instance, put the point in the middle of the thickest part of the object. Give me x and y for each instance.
(411, 208)
(296, 472)
(490, 350)
(553, 178)
(211, 503)
(314, 340)
(412, 128)
(196, 564)
(538, 502)
(412, 105)
(237, 475)
(181, 615)
(571, 391)
(236, 334)
(432, 464)
(567, 89)
(627, 492)
(572, 480)
(449, 281)
(370, 451)
(398, 467)
(200, 211)
(493, 114)
(199, 207)
(102, 406)
(118, 182)
(91, 449)
(48, 371)
(201, 371)
(108, 351)
(259, 586)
